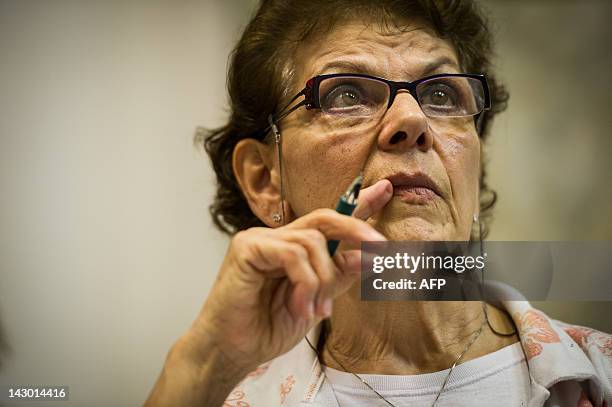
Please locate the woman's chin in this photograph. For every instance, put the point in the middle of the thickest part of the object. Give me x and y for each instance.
(414, 228)
(407, 222)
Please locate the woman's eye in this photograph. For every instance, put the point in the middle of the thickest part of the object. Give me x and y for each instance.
(440, 96)
(349, 98)
(343, 97)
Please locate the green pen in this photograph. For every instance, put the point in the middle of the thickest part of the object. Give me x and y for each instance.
(346, 206)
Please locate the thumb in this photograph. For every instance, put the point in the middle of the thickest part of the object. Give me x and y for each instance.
(373, 198)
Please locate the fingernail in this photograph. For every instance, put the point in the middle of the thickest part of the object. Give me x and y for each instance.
(327, 307)
(389, 188)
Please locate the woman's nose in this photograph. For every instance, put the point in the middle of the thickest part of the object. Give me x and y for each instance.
(405, 126)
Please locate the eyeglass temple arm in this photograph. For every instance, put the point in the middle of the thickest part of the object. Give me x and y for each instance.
(274, 118)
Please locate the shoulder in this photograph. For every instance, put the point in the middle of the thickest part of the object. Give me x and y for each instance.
(537, 330)
(557, 351)
(595, 344)
(588, 339)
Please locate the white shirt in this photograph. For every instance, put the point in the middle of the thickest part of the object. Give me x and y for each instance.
(499, 378)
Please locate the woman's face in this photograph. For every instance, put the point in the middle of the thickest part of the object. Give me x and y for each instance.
(322, 154)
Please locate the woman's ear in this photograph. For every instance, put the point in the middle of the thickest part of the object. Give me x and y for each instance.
(253, 165)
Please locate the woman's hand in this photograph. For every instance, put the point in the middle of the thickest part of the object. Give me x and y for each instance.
(274, 285)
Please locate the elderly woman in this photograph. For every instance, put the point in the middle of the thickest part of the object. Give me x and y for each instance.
(402, 92)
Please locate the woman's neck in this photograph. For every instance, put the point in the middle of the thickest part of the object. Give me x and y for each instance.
(401, 337)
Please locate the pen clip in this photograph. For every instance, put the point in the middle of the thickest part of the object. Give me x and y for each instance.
(352, 193)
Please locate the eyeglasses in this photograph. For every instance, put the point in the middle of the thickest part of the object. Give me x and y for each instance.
(365, 96)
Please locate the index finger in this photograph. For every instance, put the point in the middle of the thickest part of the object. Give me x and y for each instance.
(336, 226)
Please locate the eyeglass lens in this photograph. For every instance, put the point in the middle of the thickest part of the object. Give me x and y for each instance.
(449, 96)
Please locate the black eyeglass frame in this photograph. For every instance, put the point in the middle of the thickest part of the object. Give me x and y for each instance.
(311, 92)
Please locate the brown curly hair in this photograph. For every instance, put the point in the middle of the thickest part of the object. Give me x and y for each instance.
(261, 67)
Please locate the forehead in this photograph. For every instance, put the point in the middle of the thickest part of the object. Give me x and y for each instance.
(357, 47)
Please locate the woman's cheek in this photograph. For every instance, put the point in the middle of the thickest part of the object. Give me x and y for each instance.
(318, 172)
(462, 160)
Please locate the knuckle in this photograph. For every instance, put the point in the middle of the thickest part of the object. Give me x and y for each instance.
(241, 245)
(325, 217)
(240, 238)
(296, 253)
(245, 238)
(315, 236)
(325, 213)
(311, 282)
(326, 278)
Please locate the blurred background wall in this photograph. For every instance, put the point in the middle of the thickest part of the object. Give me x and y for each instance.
(106, 248)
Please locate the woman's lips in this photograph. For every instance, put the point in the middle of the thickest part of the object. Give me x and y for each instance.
(414, 195)
(414, 188)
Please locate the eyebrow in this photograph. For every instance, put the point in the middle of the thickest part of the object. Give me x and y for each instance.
(360, 67)
(437, 64)
(349, 66)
